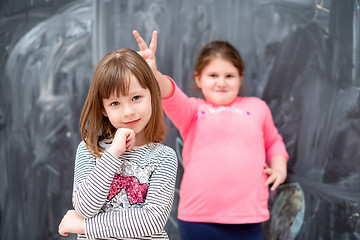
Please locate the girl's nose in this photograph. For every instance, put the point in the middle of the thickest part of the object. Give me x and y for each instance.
(128, 110)
(221, 81)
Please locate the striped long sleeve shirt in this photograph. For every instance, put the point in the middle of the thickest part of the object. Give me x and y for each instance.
(125, 198)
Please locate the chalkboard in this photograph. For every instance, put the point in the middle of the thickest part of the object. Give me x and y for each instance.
(302, 57)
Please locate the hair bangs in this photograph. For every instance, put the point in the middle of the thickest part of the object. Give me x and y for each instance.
(115, 79)
(140, 71)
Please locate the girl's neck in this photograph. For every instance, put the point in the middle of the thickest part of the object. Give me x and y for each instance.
(140, 139)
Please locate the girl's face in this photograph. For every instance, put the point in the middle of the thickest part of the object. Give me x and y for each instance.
(219, 82)
(131, 111)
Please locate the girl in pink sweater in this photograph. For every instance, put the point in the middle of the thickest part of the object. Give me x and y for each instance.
(232, 150)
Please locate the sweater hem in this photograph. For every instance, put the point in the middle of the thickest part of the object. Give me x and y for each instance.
(225, 220)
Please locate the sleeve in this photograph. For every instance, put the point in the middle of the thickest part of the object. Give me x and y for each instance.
(92, 180)
(144, 221)
(180, 109)
(274, 144)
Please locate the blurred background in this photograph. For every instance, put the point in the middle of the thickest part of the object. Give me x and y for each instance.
(302, 57)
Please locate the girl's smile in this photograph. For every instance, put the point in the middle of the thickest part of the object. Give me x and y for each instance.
(131, 123)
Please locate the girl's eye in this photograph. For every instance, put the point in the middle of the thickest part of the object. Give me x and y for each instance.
(114, 104)
(229, 76)
(213, 75)
(136, 98)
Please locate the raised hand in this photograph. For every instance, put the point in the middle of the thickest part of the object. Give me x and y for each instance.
(148, 53)
(124, 139)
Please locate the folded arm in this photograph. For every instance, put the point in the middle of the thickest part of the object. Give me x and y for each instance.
(146, 220)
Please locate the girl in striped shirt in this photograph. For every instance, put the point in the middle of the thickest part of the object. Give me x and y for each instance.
(124, 177)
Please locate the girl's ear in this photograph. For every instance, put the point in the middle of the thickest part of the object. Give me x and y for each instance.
(197, 79)
(104, 113)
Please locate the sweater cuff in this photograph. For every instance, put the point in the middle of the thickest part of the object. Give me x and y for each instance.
(110, 161)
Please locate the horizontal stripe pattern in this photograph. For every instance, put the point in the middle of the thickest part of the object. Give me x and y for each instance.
(92, 180)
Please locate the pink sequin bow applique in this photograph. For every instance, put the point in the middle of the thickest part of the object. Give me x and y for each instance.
(135, 191)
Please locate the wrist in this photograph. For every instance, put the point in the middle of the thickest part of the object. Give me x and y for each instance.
(158, 75)
(114, 152)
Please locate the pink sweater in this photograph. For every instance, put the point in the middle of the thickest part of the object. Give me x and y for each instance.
(225, 148)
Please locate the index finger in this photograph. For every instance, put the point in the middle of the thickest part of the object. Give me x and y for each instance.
(140, 41)
(275, 185)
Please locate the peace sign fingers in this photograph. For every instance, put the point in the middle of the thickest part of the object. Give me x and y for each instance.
(148, 53)
(142, 44)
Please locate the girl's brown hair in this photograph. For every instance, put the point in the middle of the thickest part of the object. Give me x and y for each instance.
(218, 49)
(113, 73)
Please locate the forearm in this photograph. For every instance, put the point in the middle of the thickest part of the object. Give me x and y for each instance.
(165, 85)
(89, 194)
(133, 222)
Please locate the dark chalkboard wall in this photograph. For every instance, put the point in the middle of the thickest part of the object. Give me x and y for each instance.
(302, 57)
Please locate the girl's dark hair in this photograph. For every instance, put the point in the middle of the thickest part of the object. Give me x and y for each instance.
(114, 73)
